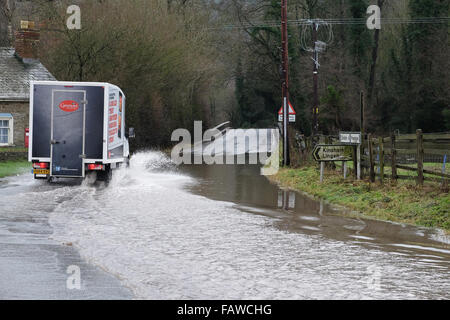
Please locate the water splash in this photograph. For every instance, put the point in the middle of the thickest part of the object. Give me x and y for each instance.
(147, 169)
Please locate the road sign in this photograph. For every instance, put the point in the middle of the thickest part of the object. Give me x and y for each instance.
(326, 153)
(350, 137)
(355, 139)
(291, 112)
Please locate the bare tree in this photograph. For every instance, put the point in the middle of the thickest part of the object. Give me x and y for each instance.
(6, 16)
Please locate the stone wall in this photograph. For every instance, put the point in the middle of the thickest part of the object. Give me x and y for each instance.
(20, 112)
(13, 156)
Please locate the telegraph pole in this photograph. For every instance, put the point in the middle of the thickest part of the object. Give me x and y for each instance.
(362, 111)
(285, 81)
(315, 123)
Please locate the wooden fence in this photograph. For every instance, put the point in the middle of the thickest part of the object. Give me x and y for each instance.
(402, 151)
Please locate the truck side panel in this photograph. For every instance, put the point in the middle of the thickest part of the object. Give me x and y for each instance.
(115, 124)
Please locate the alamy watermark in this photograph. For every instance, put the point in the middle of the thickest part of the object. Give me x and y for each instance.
(74, 20)
(73, 281)
(250, 146)
(374, 20)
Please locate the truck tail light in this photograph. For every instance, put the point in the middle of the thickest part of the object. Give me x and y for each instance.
(95, 166)
(40, 165)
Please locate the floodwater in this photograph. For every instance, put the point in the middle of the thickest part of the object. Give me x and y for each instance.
(225, 232)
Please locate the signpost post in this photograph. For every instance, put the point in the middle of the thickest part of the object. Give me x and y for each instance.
(354, 139)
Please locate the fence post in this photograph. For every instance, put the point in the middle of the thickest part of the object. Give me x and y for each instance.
(363, 153)
(393, 157)
(381, 146)
(371, 160)
(420, 156)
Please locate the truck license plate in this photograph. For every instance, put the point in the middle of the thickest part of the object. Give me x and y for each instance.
(41, 171)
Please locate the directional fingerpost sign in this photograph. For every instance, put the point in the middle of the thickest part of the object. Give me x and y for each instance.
(326, 153)
(350, 137)
(291, 112)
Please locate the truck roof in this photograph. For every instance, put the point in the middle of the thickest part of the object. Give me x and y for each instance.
(75, 83)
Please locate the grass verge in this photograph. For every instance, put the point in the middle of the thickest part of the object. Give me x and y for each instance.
(13, 150)
(400, 201)
(11, 168)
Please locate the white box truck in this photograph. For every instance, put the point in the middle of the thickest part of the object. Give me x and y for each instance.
(77, 128)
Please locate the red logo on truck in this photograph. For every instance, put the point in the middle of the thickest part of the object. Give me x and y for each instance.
(69, 106)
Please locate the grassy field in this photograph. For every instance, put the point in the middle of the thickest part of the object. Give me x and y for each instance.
(11, 168)
(400, 201)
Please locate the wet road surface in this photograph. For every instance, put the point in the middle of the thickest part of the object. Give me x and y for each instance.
(207, 232)
(32, 264)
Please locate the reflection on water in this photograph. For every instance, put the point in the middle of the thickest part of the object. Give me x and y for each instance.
(252, 192)
(225, 232)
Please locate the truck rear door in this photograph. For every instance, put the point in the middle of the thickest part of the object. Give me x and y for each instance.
(68, 133)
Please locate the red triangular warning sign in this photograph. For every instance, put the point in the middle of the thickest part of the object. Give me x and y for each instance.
(291, 110)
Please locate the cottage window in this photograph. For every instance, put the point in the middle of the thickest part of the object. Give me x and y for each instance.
(6, 129)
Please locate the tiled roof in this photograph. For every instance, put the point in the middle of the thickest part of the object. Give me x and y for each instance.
(16, 74)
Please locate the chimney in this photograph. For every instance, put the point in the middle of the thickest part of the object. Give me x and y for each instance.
(27, 41)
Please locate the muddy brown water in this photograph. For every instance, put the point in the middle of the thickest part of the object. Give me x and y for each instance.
(300, 212)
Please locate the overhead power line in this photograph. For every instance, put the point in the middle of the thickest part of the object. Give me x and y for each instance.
(340, 21)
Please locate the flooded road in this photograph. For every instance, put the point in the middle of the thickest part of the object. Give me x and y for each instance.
(225, 232)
